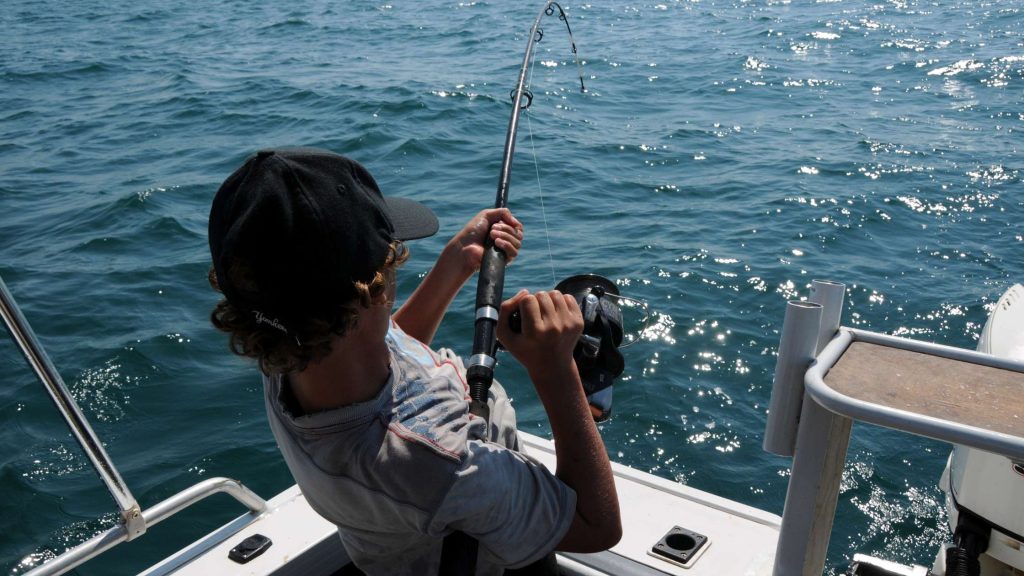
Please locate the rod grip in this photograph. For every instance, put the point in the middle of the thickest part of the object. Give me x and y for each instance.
(491, 281)
(490, 284)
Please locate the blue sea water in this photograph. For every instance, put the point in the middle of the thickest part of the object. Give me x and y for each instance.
(725, 153)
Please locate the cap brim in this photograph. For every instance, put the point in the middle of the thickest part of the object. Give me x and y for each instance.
(411, 219)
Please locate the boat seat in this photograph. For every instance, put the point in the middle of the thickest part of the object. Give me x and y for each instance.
(933, 386)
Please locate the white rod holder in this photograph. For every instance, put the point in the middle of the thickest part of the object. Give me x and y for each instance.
(797, 347)
(830, 295)
(813, 491)
(818, 457)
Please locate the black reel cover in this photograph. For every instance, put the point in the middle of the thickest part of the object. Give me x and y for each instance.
(597, 353)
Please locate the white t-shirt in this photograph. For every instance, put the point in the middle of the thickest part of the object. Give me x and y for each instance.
(398, 473)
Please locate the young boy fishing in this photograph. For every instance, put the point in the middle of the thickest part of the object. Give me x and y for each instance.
(373, 424)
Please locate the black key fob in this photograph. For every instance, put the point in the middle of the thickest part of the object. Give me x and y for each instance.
(250, 548)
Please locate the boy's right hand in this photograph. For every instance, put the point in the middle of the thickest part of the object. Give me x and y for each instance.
(551, 325)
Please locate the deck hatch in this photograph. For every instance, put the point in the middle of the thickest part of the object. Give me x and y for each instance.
(679, 546)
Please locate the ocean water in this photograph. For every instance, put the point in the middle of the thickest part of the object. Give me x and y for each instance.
(725, 153)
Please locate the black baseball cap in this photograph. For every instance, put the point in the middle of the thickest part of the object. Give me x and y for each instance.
(304, 223)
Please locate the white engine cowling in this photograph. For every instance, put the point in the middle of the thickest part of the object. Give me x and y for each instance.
(990, 485)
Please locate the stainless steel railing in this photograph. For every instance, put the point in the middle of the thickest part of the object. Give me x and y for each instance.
(150, 517)
(26, 341)
(134, 520)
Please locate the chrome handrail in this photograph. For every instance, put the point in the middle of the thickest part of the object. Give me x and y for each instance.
(29, 345)
(133, 520)
(150, 517)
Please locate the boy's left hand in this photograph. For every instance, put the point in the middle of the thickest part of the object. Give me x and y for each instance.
(505, 231)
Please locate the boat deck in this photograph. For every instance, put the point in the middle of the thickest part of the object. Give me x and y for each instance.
(741, 539)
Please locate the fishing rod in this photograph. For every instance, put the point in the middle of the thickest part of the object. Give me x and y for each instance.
(490, 284)
(459, 550)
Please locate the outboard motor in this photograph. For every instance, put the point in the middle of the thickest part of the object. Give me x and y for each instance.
(985, 491)
(985, 501)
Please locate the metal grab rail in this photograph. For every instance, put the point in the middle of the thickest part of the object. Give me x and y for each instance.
(134, 521)
(29, 345)
(151, 516)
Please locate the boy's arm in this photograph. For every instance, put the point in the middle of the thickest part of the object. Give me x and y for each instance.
(421, 314)
(551, 324)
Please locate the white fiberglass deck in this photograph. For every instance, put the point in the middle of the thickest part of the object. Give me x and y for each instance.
(741, 539)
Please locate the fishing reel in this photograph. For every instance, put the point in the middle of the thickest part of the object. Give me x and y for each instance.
(596, 354)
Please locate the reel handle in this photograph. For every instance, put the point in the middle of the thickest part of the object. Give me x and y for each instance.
(515, 321)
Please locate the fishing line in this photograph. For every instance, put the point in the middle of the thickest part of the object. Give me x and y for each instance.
(629, 339)
(540, 190)
(491, 280)
(548, 11)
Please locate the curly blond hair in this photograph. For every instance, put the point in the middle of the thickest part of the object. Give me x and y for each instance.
(279, 352)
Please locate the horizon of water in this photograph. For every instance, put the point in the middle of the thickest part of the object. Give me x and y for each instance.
(724, 154)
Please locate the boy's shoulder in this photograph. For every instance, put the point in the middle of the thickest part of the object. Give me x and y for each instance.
(429, 394)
